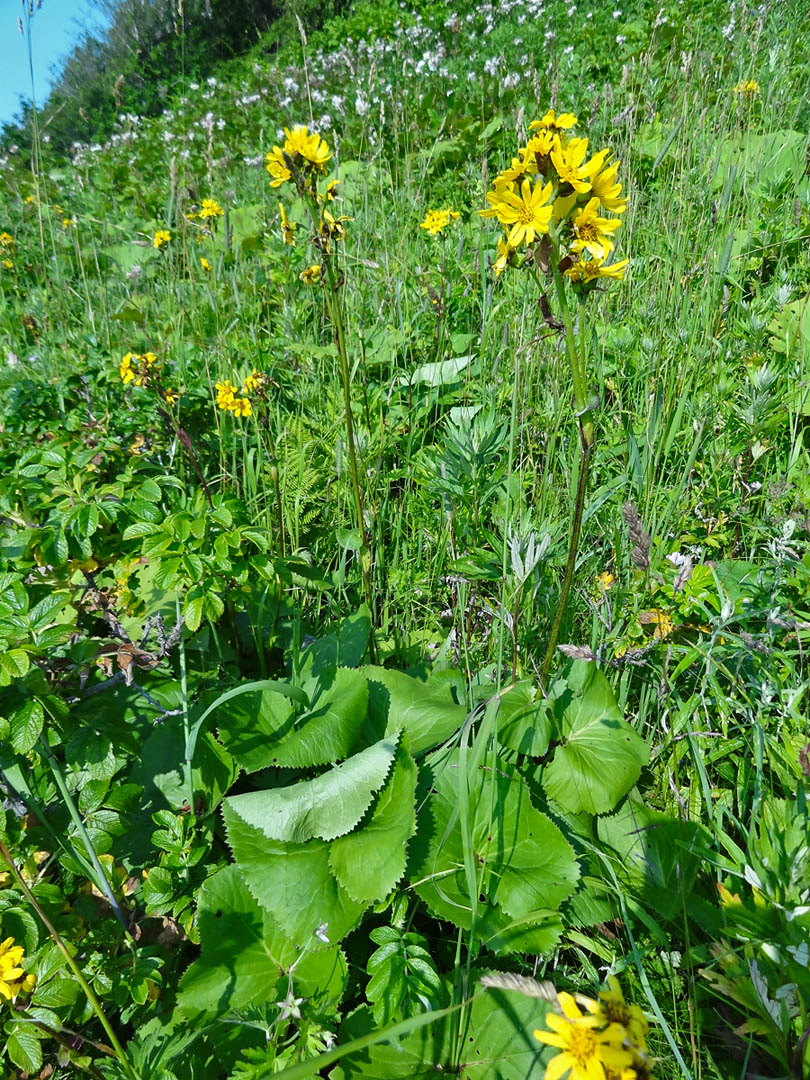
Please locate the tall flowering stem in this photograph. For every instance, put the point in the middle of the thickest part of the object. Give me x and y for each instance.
(95, 1004)
(303, 160)
(550, 202)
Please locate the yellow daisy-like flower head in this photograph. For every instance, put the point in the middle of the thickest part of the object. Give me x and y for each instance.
(605, 186)
(309, 146)
(277, 167)
(589, 270)
(13, 978)
(552, 122)
(525, 214)
(569, 162)
(161, 238)
(287, 227)
(125, 368)
(506, 255)
(226, 395)
(585, 1052)
(6, 241)
(592, 233)
(204, 263)
(171, 397)
(242, 407)
(211, 209)
(252, 382)
(311, 275)
(611, 1008)
(437, 220)
(747, 87)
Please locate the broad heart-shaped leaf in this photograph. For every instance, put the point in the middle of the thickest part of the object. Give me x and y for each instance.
(496, 1043)
(524, 721)
(160, 770)
(329, 731)
(346, 648)
(524, 866)
(425, 712)
(249, 726)
(659, 856)
(326, 807)
(370, 861)
(293, 881)
(259, 729)
(601, 756)
(245, 954)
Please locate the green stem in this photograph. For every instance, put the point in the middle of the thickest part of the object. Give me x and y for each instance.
(585, 425)
(101, 878)
(95, 1004)
(187, 773)
(345, 375)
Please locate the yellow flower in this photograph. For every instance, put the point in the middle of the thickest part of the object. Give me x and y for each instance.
(252, 382)
(591, 232)
(505, 253)
(585, 1053)
(611, 1008)
(138, 445)
(12, 974)
(161, 238)
(8, 264)
(287, 227)
(211, 209)
(331, 191)
(171, 397)
(242, 407)
(588, 270)
(192, 215)
(518, 171)
(204, 263)
(311, 147)
(277, 167)
(226, 395)
(554, 123)
(125, 368)
(312, 274)
(30, 199)
(525, 214)
(438, 220)
(7, 241)
(568, 161)
(605, 187)
(749, 88)
(67, 222)
(539, 145)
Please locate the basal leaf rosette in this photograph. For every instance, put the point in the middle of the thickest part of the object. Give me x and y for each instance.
(558, 206)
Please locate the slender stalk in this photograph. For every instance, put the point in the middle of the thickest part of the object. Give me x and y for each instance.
(345, 376)
(101, 877)
(187, 772)
(95, 1004)
(585, 425)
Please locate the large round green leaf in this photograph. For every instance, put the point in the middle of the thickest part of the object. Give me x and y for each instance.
(245, 954)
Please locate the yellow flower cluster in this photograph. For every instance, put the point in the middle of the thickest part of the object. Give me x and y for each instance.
(747, 88)
(553, 189)
(7, 245)
(13, 979)
(137, 367)
(311, 275)
(306, 152)
(438, 220)
(210, 209)
(161, 238)
(229, 398)
(609, 1042)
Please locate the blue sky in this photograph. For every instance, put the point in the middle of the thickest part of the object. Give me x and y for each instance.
(56, 27)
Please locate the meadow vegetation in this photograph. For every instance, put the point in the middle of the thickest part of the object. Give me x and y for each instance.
(404, 563)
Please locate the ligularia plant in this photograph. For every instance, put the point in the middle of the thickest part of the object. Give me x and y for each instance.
(560, 211)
